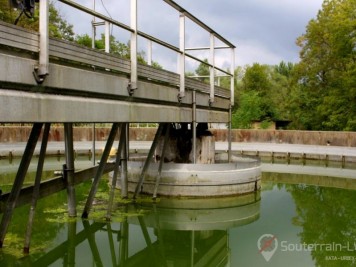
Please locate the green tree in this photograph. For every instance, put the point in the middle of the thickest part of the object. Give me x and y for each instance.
(116, 48)
(203, 70)
(282, 84)
(249, 110)
(262, 93)
(6, 13)
(257, 79)
(327, 68)
(58, 26)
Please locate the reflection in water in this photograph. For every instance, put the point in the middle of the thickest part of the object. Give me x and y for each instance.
(184, 232)
(327, 216)
(300, 209)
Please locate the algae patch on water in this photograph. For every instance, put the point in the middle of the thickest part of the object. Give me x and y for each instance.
(14, 246)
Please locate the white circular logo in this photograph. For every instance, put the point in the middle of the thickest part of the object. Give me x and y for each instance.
(267, 245)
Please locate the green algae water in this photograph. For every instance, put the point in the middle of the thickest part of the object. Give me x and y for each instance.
(296, 220)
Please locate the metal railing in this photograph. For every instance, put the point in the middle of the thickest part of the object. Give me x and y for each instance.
(182, 50)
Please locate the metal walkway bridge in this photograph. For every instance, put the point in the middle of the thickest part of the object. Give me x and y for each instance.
(44, 80)
(76, 84)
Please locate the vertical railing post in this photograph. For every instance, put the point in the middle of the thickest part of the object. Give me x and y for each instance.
(232, 101)
(149, 52)
(133, 48)
(232, 71)
(107, 37)
(41, 70)
(93, 28)
(212, 68)
(181, 59)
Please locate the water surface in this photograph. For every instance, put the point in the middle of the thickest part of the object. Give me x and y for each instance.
(299, 220)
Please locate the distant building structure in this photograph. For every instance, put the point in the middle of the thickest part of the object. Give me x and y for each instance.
(272, 125)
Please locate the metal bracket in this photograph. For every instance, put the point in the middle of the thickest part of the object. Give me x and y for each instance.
(131, 87)
(38, 77)
(211, 101)
(180, 97)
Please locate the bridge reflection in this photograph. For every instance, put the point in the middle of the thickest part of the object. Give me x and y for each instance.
(174, 233)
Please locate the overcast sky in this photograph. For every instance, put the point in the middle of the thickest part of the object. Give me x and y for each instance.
(263, 31)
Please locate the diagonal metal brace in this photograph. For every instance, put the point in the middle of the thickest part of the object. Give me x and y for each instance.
(149, 158)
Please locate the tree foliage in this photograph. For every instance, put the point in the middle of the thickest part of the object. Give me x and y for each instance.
(326, 93)
(58, 26)
(318, 93)
(203, 70)
(262, 94)
(116, 48)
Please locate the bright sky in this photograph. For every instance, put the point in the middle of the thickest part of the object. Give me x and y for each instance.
(263, 31)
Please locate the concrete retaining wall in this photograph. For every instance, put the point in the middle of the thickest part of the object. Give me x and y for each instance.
(290, 137)
(20, 134)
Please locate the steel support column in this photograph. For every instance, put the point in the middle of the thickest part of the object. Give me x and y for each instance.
(120, 157)
(149, 159)
(194, 126)
(93, 145)
(36, 189)
(230, 134)
(99, 173)
(20, 177)
(124, 159)
(68, 170)
(158, 178)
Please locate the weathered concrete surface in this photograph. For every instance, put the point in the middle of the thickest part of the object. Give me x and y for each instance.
(208, 213)
(20, 134)
(198, 180)
(333, 146)
(320, 138)
(332, 153)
